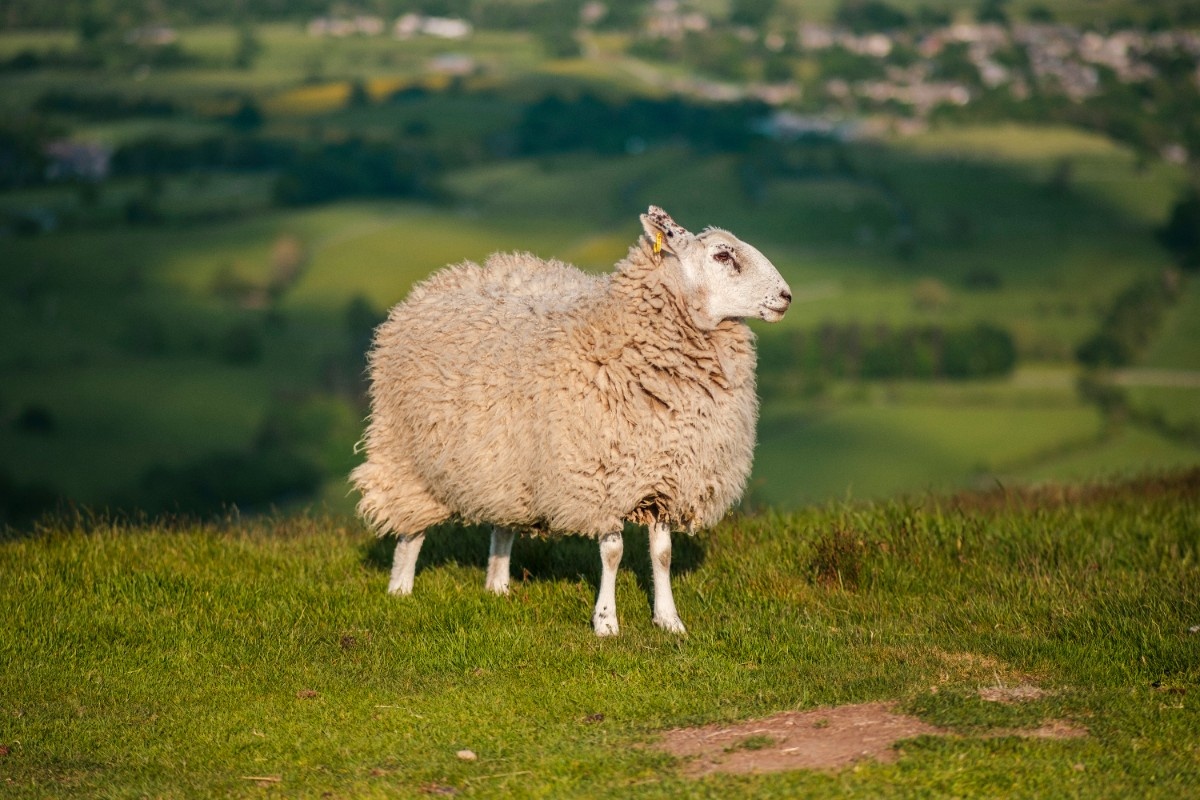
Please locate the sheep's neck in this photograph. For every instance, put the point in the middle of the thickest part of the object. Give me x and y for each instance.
(664, 337)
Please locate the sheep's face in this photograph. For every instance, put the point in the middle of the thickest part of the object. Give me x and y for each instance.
(726, 278)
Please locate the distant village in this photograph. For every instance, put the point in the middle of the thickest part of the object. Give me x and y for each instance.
(406, 27)
(1059, 59)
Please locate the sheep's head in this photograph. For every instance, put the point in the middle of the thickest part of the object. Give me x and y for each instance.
(726, 278)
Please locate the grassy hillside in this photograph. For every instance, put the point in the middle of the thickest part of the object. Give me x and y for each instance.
(254, 657)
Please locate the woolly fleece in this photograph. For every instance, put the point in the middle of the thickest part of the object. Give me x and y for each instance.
(528, 394)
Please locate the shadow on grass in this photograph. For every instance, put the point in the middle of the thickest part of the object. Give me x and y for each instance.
(563, 558)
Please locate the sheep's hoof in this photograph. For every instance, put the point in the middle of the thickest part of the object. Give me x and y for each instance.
(400, 589)
(670, 624)
(499, 589)
(605, 625)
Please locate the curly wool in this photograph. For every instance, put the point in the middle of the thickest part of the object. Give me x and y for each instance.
(531, 395)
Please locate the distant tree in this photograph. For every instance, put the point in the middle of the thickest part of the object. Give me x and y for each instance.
(982, 351)
(754, 13)
(862, 16)
(144, 334)
(993, 11)
(92, 27)
(928, 17)
(88, 193)
(144, 208)
(241, 344)
(35, 419)
(22, 160)
(1061, 177)
(850, 66)
(354, 168)
(247, 117)
(954, 64)
(361, 319)
(248, 48)
(1103, 350)
(982, 279)
(1181, 233)
(22, 503)
(1040, 14)
(359, 96)
(1130, 323)
(555, 25)
(265, 475)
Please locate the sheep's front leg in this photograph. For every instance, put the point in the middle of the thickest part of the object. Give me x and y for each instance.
(665, 615)
(604, 619)
(404, 563)
(498, 558)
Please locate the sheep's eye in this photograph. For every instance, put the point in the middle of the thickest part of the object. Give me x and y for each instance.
(726, 257)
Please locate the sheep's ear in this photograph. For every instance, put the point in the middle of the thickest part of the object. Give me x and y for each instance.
(664, 232)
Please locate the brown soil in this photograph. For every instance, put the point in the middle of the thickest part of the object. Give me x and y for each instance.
(826, 738)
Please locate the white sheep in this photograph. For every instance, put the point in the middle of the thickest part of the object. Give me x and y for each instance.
(538, 398)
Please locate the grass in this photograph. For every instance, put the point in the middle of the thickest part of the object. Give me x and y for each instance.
(1175, 347)
(876, 448)
(264, 657)
(1130, 449)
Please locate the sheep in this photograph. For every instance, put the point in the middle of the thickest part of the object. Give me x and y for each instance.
(535, 397)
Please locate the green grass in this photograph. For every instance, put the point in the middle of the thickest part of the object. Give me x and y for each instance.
(882, 443)
(1175, 347)
(1127, 451)
(179, 661)
(107, 433)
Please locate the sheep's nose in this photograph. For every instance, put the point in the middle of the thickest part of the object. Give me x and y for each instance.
(787, 296)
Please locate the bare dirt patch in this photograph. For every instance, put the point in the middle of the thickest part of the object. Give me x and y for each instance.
(821, 739)
(825, 738)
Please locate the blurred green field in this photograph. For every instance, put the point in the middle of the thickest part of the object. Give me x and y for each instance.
(1177, 344)
(116, 331)
(128, 412)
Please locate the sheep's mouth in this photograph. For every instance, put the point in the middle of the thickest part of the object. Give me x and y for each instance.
(774, 313)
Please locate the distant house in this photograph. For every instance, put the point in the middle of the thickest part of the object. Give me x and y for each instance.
(789, 126)
(455, 64)
(667, 21)
(411, 25)
(71, 160)
(340, 27)
(816, 37)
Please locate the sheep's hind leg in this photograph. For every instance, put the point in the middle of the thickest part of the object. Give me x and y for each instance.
(665, 615)
(604, 619)
(498, 558)
(404, 563)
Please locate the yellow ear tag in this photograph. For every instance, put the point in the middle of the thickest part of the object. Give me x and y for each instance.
(657, 242)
